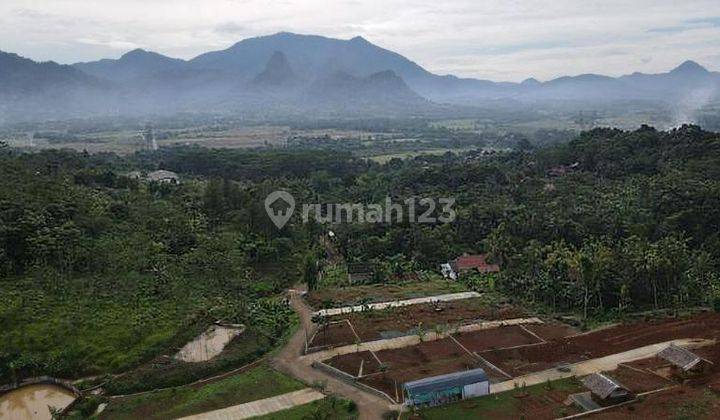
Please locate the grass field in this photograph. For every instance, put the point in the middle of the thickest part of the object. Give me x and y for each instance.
(459, 124)
(327, 408)
(90, 326)
(412, 154)
(258, 383)
(505, 405)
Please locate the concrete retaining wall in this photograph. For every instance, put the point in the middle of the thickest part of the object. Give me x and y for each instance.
(346, 377)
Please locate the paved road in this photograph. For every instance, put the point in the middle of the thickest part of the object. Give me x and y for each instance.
(261, 407)
(595, 365)
(288, 360)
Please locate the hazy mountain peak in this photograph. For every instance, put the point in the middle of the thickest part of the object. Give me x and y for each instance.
(277, 71)
(132, 65)
(134, 53)
(530, 81)
(689, 67)
(140, 54)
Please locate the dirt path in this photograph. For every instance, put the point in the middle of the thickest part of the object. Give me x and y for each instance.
(370, 407)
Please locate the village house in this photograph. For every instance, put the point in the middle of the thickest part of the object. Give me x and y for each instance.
(468, 263)
(163, 177)
(606, 390)
(562, 170)
(685, 363)
(359, 273)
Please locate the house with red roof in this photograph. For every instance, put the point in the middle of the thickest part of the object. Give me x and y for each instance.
(468, 263)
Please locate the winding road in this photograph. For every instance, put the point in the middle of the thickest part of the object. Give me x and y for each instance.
(288, 360)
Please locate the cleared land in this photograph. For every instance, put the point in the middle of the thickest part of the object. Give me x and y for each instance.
(515, 350)
(665, 398)
(387, 370)
(617, 339)
(336, 297)
(349, 328)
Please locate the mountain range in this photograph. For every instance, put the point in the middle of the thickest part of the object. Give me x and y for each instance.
(288, 73)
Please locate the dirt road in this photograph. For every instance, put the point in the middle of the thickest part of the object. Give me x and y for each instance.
(370, 407)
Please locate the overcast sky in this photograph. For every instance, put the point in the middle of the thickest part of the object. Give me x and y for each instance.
(496, 39)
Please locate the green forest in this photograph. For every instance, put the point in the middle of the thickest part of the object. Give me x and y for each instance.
(100, 272)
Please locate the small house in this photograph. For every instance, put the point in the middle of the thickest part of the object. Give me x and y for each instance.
(359, 273)
(468, 263)
(605, 390)
(443, 389)
(562, 170)
(685, 362)
(163, 177)
(447, 271)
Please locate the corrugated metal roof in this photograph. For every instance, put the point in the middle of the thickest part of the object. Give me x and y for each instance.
(441, 382)
(601, 385)
(161, 175)
(680, 357)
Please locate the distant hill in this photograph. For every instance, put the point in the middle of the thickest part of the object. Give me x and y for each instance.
(22, 75)
(136, 64)
(310, 56)
(48, 90)
(379, 89)
(285, 73)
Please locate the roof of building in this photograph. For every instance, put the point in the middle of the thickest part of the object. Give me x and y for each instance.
(476, 261)
(601, 385)
(361, 268)
(162, 174)
(441, 382)
(680, 357)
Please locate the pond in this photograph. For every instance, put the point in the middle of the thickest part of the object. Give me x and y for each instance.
(32, 402)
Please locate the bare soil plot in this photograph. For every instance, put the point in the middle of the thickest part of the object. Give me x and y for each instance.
(522, 360)
(696, 399)
(423, 353)
(372, 325)
(547, 405)
(683, 402)
(336, 297)
(350, 363)
(332, 335)
(638, 381)
(613, 340)
(552, 330)
(399, 321)
(492, 338)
